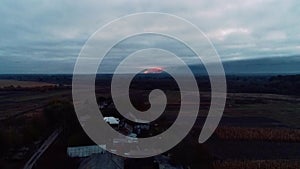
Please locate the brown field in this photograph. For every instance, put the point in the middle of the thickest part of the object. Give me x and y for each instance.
(26, 84)
(27, 100)
(265, 134)
(256, 164)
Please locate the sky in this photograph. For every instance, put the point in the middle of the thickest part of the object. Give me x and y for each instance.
(47, 36)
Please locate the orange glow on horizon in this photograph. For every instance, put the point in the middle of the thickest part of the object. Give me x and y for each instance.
(153, 70)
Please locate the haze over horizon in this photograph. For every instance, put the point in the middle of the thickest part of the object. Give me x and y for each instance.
(259, 36)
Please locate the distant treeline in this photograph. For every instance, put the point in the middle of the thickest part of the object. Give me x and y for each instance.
(280, 84)
(276, 84)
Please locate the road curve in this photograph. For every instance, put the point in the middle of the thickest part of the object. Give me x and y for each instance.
(31, 162)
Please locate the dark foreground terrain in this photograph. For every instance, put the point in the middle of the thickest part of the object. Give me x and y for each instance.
(260, 127)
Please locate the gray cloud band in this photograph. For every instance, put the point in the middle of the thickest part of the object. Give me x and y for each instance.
(103, 40)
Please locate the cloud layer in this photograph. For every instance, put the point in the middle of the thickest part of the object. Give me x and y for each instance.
(46, 36)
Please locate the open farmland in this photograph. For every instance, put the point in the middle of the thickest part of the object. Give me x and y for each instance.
(13, 103)
(23, 84)
(257, 164)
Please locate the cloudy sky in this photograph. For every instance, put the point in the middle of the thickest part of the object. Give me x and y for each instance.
(47, 36)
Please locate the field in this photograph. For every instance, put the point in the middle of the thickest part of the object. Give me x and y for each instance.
(23, 84)
(257, 164)
(26, 101)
